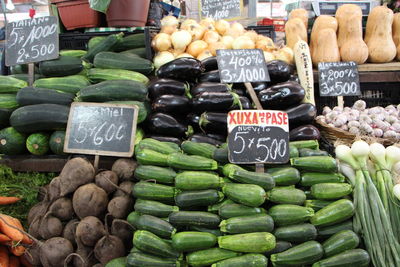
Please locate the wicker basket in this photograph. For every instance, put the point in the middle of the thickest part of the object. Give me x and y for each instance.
(334, 135)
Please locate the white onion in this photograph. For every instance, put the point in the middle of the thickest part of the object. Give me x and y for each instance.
(196, 48)
(222, 26)
(243, 42)
(162, 58)
(227, 40)
(181, 39)
(169, 21)
(162, 42)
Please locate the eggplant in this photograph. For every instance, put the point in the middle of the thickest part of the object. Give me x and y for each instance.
(246, 103)
(218, 137)
(161, 87)
(171, 104)
(282, 95)
(239, 92)
(210, 63)
(294, 78)
(164, 124)
(193, 120)
(201, 138)
(215, 123)
(258, 87)
(301, 115)
(279, 71)
(165, 139)
(305, 132)
(214, 102)
(183, 69)
(209, 87)
(210, 76)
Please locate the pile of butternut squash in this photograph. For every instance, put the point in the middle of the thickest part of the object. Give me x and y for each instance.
(340, 38)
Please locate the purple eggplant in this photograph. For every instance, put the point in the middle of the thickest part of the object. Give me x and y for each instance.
(171, 104)
(246, 103)
(214, 102)
(162, 138)
(213, 122)
(282, 95)
(210, 76)
(193, 120)
(279, 71)
(294, 78)
(305, 132)
(301, 115)
(161, 87)
(201, 138)
(164, 124)
(210, 63)
(209, 87)
(183, 69)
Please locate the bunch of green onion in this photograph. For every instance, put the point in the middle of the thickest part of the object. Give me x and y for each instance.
(377, 216)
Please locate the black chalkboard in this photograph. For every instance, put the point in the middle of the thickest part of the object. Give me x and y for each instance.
(217, 9)
(242, 66)
(31, 40)
(329, 8)
(258, 136)
(101, 129)
(338, 79)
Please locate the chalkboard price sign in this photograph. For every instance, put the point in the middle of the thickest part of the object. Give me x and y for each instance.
(338, 79)
(242, 66)
(258, 136)
(217, 9)
(101, 129)
(31, 40)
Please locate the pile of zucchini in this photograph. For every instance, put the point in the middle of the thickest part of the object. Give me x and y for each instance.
(192, 206)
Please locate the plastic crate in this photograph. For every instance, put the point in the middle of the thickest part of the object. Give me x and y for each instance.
(76, 14)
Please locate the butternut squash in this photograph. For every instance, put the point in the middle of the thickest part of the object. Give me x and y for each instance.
(322, 22)
(295, 31)
(378, 36)
(300, 13)
(398, 52)
(326, 48)
(342, 15)
(396, 29)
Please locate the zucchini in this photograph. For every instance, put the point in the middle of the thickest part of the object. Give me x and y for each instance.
(152, 224)
(25, 77)
(234, 210)
(199, 149)
(215, 232)
(152, 244)
(285, 176)
(221, 155)
(12, 142)
(33, 96)
(209, 256)
(308, 152)
(194, 218)
(315, 164)
(193, 241)
(198, 198)
(38, 143)
(354, 257)
(185, 162)
(159, 174)
(56, 142)
(313, 144)
(154, 208)
(281, 246)
(141, 52)
(287, 214)
(5, 115)
(130, 42)
(286, 195)
(197, 180)
(139, 135)
(117, 262)
(228, 168)
(8, 101)
(249, 260)
(327, 231)
(257, 242)
(298, 233)
(100, 75)
(104, 45)
(303, 254)
(151, 191)
(150, 157)
(73, 53)
(340, 242)
(293, 152)
(160, 147)
(215, 208)
(138, 259)
(242, 176)
(247, 224)
(334, 213)
(95, 41)
(331, 191)
(110, 60)
(60, 67)
(312, 178)
(144, 109)
(68, 84)
(11, 85)
(316, 204)
(246, 194)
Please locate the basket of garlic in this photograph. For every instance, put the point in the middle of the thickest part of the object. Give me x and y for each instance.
(345, 124)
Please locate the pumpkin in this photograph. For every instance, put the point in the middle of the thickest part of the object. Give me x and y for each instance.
(326, 48)
(322, 22)
(378, 35)
(396, 33)
(295, 31)
(300, 13)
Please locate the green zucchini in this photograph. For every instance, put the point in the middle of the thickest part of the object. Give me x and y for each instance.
(228, 168)
(68, 84)
(56, 142)
(104, 45)
(340, 242)
(152, 191)
(139, 135)
(285, 176)
(130, 42)
(293, 152)
(328, 231)
(11, 85)
(221, 155)
(287, 214)
(264, 180)
(298, 233)
(8, 101)
(197, 180)
(154, 208)
(100, 75)
(313, 144)
(152, 244)
(312, 178)
(12, 142)
(193, 241)
(38, 143)
(5, 114)
(331, 191)
(315, 164)
(194, 218)
(95, 41)
(334, 213)
(316, 204)
(25, 77)
(111, 60)
(150, 157)
(257, 242)
(117, 262)
(354, 257)
(139, 259)
(152, 224)
(286, 195)
(246, 194)
(215, 232)
(308, 152)
(209, 256)
(73, 53)
(303, 254)
(159, 174)
(281, 246)
(249, 260)
(141, 52)
(198, 149)
(33, 96)
(185, 162)
(198, 198)
(155, 145)
(215, 208)
(144, 108)
(234, 210)
(60, 67)
(247, 224)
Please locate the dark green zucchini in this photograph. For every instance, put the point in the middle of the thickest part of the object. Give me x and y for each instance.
(194, 218)
(198, 198)
(32, 96)
(62, 66)
(298, 233)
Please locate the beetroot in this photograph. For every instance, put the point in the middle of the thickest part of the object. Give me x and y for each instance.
(69, 231)
(120, 207)
(109, 247)
(89, 231)
(54, 251)
(76, 172)
(124, 168)
(50, 226)
(89, 200)
(62, 209)
(108, 180)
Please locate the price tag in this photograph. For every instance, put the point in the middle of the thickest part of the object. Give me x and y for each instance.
(338, 79)
(31, 40)
(217, 9)
(258, 136)
(101, 129)
(242, 66)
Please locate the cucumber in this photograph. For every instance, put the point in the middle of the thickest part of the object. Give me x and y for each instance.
(152, 244)
(334, 213)
(100, 75)
(281, 246)
(103, 45)
(262, 179)
(325, 232)
(198, 198)
(194, 218)
(62, 66)
(257, 242)
(193, 241)
(308, 152)
(331, 191)
(215, 208)
(195, 180)
(139, 259)
(234, 210)
(159, 174)
(287, 214)
(160, 147)
(354, 257)
(185, 162)
(312, 178)
(221, 155)
(285, 176)
(286, 195)
(298, 233)
(209, 256)
(150, 157)
(303, 254)
(246, 194)
(249, 260)
(199, 149)
(152, 224)
(247, 224)
(340, 242)
(316, 204)
(154, 208)
(111, 60)
(215, 232)
(151, 191)
(315, 164)
(313, 144)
